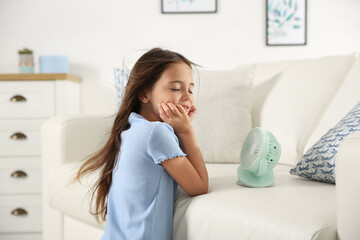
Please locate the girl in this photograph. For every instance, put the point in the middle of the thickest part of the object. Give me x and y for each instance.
(151, 148)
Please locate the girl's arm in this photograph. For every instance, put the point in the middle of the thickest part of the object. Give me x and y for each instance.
(189, 172)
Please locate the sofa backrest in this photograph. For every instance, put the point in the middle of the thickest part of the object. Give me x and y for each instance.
(291, 97)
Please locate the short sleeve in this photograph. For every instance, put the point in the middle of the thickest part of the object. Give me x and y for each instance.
(164, 144)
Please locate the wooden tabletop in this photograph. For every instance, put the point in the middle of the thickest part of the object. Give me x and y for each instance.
(39, 76)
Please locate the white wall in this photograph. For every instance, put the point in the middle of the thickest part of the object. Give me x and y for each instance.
(97, 35)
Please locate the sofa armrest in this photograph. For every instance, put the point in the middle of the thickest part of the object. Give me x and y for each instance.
(67, 139)
(73, 138)
(348, 188)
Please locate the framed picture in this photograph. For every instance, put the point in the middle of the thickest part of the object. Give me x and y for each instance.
(285, 22)
(188, 6)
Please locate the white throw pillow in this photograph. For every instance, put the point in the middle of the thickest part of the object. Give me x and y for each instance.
(224, 113)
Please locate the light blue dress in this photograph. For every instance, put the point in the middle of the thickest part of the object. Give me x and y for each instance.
(142, 193)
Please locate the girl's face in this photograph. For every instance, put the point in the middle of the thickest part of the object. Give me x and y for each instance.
(175, 85)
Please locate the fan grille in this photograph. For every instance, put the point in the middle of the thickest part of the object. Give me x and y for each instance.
(251, 149)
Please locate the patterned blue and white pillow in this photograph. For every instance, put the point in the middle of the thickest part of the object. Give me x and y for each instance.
(319, 161)
(121, 77)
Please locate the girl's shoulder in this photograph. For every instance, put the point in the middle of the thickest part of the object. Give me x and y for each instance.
(150, 126)
(162, 128)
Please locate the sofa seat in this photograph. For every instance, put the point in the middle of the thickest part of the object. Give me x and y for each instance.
(294, 208)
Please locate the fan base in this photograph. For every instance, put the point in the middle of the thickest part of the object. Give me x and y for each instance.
(246, 178)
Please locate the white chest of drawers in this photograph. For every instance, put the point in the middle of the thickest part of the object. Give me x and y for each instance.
(26, 100)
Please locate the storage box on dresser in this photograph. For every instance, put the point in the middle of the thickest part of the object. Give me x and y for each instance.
(26, 100)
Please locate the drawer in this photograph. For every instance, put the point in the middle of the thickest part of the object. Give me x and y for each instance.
(20, 137)
(20, 213)
(20, 175)
(24, 99)
(30, 236)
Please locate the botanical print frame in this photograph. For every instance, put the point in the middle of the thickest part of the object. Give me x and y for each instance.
(286, 22)
(188, 6)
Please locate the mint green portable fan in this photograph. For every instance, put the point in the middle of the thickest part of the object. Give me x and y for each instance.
(259, 155)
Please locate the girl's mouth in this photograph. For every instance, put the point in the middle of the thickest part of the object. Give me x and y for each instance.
(186, 107)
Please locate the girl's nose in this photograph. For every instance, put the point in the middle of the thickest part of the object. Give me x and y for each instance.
(187, 96)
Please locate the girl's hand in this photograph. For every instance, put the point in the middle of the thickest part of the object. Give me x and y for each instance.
(192, 112)
(176, 117)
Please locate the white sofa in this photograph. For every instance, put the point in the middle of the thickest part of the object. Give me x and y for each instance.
(298, 101)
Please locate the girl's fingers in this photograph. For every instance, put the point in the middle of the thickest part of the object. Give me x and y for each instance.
(193, 109)
(163, 114)
(167, 110)
(181, 109)
(174, 109)
(192, 112)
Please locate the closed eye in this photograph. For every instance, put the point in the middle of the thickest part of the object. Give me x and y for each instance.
(175, 89)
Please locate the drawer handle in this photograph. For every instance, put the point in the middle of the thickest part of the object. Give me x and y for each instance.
(19, 212)
(19, 174)
(18, 136)
(18, 98)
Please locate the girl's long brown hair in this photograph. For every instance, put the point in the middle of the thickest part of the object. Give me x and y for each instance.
(146, 71)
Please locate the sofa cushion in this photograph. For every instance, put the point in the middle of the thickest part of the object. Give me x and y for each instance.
(319, 161)
(224, 113)
(346, 98)
(229, 210)
(291, 96)
(294, 208)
